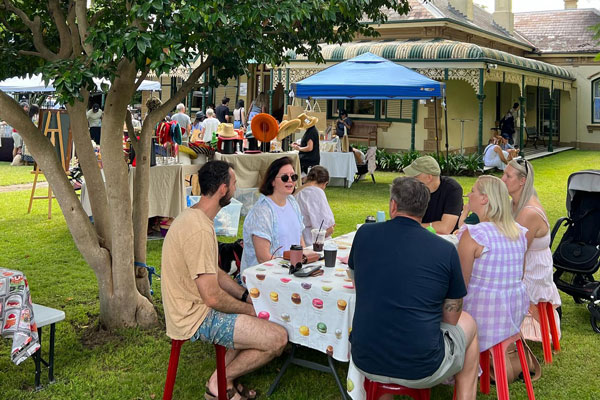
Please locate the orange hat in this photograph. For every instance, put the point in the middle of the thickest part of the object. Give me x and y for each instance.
(264, 127)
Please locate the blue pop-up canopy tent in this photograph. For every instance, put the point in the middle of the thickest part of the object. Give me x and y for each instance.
(368, 77)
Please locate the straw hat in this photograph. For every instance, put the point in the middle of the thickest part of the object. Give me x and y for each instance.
(307, 121)
(286, 128)
(226, 131)
(264, 127)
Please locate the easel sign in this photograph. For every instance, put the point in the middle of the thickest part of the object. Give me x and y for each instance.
(56, 126)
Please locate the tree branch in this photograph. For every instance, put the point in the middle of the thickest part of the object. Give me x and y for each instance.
(35, 28)
(30, 53)
(73, 28)
(82, 25)
(66, 47)
(141, 78)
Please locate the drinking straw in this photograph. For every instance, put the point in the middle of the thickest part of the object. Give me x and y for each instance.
(322, 221)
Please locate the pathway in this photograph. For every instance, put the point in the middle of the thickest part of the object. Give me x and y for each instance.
(22, 186)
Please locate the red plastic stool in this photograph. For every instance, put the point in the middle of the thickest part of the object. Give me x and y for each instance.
(377, 389)
(498, 355)
(546, 311)
(174, 362)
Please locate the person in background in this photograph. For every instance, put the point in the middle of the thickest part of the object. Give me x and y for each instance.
(201, 301)
(183, 120)
(210, 125)
(94, 117)
(239, 115)
(491, 254)
(274, 223)
(313, 204)
(309, 144)
(494, 156)
(198, 127)
(343, 124)
(409, 327)
(528, 211)
(446, 202)
(17, 139)
(507, 123)
(259, 105)
(222, 112)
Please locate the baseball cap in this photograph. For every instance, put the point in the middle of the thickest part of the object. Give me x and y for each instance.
(423, 165)
(200, 114)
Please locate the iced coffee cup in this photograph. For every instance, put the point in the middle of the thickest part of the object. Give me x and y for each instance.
(330, 253)
(318, 237)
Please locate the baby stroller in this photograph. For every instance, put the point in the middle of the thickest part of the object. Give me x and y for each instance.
(577, 256)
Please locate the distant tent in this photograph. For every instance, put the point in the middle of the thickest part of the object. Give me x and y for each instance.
(368, 77)
(35, 83)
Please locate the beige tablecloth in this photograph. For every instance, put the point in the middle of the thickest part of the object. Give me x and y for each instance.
(166, 195)
(251, 168)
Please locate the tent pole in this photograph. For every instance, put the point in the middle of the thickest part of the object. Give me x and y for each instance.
(446, 124)
(437, 143)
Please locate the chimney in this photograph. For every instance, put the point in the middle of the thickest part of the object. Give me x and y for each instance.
(465, 7)
(504, 16)
(570, 4)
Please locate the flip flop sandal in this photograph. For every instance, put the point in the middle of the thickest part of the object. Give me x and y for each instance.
(231, 392)
(246, 392)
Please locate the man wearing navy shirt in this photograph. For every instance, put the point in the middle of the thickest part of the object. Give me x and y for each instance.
(408, 326)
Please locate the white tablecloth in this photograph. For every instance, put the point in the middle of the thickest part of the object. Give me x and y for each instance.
(316, 311)
(250, 169)
(340, 165)
(166, 195)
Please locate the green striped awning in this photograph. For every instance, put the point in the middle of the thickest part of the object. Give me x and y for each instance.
(434, 50)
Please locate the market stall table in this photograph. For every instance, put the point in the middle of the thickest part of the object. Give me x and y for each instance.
(250, 169)
(16, 315)
(340, 165)
(166, 194)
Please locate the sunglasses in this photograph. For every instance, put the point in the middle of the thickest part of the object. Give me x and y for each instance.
(293, 268)
(523, 162)
(285, 178)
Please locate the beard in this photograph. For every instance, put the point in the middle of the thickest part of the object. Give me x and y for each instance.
(226, 199)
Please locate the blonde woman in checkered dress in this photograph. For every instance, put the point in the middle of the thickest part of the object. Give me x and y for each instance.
(492, 255)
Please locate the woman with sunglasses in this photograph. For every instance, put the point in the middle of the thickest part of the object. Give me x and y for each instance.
(528, 211)
(274, 223)
(313, 204)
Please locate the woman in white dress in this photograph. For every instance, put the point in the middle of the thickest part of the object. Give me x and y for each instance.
(313, 204)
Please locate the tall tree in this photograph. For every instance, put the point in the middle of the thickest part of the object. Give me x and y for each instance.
(71, 42)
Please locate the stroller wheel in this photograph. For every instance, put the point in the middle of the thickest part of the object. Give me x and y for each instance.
(595, 324)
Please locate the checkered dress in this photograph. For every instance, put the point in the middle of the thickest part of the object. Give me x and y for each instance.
(496, 296)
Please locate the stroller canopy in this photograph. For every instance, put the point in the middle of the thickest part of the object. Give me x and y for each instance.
(587, 181)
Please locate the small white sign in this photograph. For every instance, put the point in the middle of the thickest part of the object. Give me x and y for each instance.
(243, 89)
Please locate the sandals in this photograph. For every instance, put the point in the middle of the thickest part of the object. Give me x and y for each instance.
(245, 391)
(231, 392)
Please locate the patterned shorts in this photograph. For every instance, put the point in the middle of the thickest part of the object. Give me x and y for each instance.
(217, 328)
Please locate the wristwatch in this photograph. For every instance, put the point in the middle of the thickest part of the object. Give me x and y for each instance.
(244, 296)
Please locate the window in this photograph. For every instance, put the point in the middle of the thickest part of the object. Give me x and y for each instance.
(596, 101)
(547, 113)
(379, 110)
(360, 108)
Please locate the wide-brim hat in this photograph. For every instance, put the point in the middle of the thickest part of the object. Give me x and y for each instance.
(226, 131)
(307, 121)
(264, 127)
(286, 128)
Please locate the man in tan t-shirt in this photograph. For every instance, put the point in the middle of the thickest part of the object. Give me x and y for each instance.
(203, 302)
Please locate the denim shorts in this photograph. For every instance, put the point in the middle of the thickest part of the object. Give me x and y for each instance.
(217, 328)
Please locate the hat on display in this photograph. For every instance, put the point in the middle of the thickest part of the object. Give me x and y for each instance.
(264, 127)
(226, 131)
(286, 128)
(423, 165)
(307, 122)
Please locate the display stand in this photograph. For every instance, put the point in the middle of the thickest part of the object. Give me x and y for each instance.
(55, 129)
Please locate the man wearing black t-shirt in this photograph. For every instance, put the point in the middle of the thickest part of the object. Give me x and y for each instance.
(409, 327)
(446, 201)
(222, 112)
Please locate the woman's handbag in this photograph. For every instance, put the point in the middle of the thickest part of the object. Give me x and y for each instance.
(513, 364)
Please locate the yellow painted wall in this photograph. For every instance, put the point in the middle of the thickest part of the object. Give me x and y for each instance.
(582, 96)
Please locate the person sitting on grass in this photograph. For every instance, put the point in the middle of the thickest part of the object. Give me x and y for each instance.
(495, 157)
(201, 301)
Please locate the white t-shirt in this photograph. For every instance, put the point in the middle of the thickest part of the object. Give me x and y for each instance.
(288, 225)
(94, 118)
(210, 126)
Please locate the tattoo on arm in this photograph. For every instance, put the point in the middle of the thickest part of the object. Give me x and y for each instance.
(453, 305)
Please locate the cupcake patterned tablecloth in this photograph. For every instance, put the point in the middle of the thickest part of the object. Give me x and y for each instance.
(16, 315)
(316, 311)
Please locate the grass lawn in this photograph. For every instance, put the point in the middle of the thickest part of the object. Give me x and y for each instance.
(132, 364)
(10, 175)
